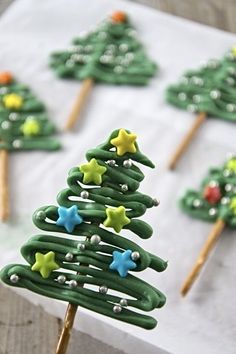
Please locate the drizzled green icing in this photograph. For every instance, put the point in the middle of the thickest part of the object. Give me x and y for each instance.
(210, 89)
(90, 262)
(195, 204)
(13, 119)
(111, 54)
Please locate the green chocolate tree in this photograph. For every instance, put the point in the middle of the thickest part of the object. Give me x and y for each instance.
(214, 202)
(111, 53)
(210, 91)
(90, 268)
(24, 124)
(216, 197)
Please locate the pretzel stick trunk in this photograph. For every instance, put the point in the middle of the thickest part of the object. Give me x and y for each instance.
(203, 255)
(4, 189)
(63, 341)
(87, 85)
(186, 141)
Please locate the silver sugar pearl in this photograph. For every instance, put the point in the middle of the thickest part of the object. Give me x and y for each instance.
(70, 63)
(182, 96)
(225, 200)
(230, 107)
(123, 47)
(118, 69)
(226, 173)
(156, 202)
(84, 194)
(13, 116)
(123, 302)
(88, 48)
(105, 59)
(124, 187)
(40, 215)
(127, 163)
(212, 212)
(16, 144)
(111, 163)
(213, 184)
(213, 64)
(197, 203)
(5, 124)
(231, 70)
(192, 108)
(117, 309)
(102, 35)
(61, 279)
(14, 278)
(228, 187)
(215, 94)
(129, 56)
(95, 239)
(73, 283)
(135, 255)
(230, 81)
(69, 257)
(103, 289)
(197, 98)
(81, 246)
(197, 81)
(132, 33)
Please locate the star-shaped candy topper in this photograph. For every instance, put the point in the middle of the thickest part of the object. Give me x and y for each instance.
(233, 205)
(116, 218)
(69, 217)
(231, 165)
(30, 127)
(45, 263)
(92, 172)
(122, 262)
(119, 17)
(12, 100)
(124, 142)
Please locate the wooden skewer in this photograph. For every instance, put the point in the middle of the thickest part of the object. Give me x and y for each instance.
(186, 141)
(79, 103)
(63, 341)
(203, 255)
(4, 189)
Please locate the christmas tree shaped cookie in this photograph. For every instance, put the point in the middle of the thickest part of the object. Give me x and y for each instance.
(94, 263)
(209, 91)
(214, 202)
(109, 54)
(24, 125)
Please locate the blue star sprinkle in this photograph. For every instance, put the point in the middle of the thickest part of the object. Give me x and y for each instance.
(69, 217)
(122, 262)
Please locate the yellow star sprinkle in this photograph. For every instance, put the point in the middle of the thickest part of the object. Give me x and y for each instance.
(30, 127)
(13, 101)
(92, 172)
(124, 142)
(233, 50)
(45, 263)
(233, 205)
(231, 165)
(116, 218)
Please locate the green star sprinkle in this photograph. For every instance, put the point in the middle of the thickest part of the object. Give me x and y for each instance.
(45, 263)
(116, 218)
(92, 172)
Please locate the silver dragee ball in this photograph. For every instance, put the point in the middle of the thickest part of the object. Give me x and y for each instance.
(197, 203)
(14, 278)
(95, 239)
(124, 188)
(135, 255)
(61, 279)
(84, 194)
(5, 125)
(81, 246)
(212, 212)
(40, 215)
(16, 143)
(73, 283)
(117, 309)
(127, 163)
(69, 256)
(111, 163)
(156, 202)
(103, 289)
(123, 302)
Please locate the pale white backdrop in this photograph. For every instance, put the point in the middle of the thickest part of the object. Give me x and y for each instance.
(204, 322)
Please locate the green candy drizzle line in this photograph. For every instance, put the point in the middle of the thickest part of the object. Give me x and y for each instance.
(109, 54)
(91, 265)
